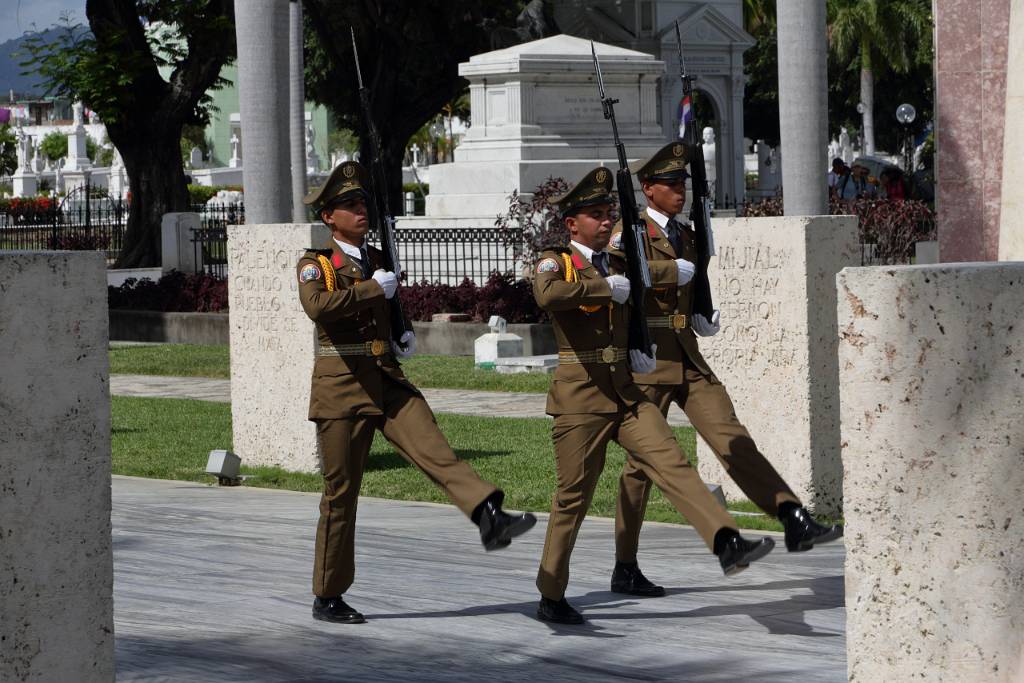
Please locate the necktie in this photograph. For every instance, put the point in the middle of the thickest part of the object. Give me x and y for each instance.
(674, 231)
(599, 259)
(364, 261)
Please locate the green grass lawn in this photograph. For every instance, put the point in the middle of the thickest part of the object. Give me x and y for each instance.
(171, 360)
(447, 372)
(171, 438)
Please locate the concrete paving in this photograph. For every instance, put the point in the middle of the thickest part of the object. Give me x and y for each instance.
(459, 401)
(212, 584)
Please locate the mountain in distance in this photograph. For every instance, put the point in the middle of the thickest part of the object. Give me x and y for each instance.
(11, 77)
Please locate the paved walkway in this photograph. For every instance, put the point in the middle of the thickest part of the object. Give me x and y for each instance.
(460, 401)
(212, 584)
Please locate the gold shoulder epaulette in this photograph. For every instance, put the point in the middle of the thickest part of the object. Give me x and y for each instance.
(325, 263)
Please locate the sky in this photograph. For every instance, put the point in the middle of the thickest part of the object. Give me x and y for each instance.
(17, 16)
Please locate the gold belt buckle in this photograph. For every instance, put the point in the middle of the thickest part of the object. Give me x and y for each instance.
(377, 347)
(608, 354)
(678, 321)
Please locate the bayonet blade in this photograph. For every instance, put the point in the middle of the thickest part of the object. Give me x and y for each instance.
(355, 51)
(679, 46)
(597, 68)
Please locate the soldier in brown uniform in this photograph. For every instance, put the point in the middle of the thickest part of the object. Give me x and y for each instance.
(358, 388)
(594, 400)
(683, 376)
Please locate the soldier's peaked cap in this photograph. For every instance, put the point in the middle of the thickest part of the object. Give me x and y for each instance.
(594, 188)
(346, 180)
(668, 163)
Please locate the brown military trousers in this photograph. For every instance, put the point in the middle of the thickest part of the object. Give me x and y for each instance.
(408, 423)
(709, 408)
(580, 445)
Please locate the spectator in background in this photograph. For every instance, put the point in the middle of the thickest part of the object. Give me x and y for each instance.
(863, 187)
(893, 184)
(840, 181)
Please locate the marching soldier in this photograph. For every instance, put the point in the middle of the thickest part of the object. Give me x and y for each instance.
(358, 388)
(682, 376)
(593, 398)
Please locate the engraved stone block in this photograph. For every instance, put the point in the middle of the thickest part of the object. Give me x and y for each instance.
(273, 344)
(773, 280)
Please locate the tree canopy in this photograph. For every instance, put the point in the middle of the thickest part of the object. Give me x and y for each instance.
(116, 71)
(409, 53)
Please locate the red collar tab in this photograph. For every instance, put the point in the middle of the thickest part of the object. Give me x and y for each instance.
(577, 261)
(336, 260)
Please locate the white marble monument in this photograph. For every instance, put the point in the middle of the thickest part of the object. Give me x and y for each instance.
(537, 114)
(77, 159)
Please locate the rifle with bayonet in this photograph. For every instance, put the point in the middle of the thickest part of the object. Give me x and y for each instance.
(634, 230)
(381, 218)
(700, 207)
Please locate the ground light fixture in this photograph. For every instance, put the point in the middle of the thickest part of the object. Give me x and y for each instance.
(224, 465)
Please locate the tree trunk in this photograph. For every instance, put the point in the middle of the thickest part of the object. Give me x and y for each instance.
(393, 153)
(867, 97)
(157, 184)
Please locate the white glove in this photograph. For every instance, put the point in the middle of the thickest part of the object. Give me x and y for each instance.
(641, 362)
(620, 288)
(406, 346)
(705, 328)
(685, 269)
(387, 281)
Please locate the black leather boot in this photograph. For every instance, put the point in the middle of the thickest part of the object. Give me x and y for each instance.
(497, 527)
(802, 532)
(335, 610)
(558, 612)
(627, 578)
(735, 553)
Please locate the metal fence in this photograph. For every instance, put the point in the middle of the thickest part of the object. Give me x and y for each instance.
(449, 255)
(87, 219)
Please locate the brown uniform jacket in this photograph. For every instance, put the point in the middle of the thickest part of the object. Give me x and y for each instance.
(584, 388)
(355, 312)
(666, 300)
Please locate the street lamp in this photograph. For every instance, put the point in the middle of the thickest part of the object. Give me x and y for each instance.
(905, 114)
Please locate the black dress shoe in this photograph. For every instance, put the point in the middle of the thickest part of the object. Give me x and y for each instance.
(498, 528)
(335, 609)
(737, 553)
(802, 532)
(627, 578)
(558, 612)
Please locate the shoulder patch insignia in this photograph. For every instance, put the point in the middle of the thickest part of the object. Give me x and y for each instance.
(548, 265)
(617, 241)
(309, 273)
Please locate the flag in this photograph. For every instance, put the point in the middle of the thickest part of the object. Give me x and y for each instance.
(685, 114)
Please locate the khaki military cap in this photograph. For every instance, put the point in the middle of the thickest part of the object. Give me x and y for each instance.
(668, 163)
(348, 179)
(594, 188)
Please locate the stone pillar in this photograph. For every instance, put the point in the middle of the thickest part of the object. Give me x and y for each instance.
(803, 105)
(261, 28)
(970, 102)
(776, 352)
(272, 345)
(1011, 214)
(177, 248)
(931, 362)
(297, 110)
(24, 183)
(56, 594)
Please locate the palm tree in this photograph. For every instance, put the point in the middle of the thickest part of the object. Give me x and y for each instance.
(880, 34)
